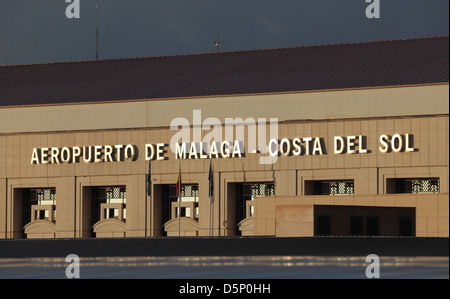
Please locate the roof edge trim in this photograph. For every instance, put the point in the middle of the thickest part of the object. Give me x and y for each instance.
(223, 96)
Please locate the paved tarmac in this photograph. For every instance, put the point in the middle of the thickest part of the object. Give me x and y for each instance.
(260, 268)
(226, 258)
(226, 246)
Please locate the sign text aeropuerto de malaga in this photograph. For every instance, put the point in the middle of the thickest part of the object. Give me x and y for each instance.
(305, 146)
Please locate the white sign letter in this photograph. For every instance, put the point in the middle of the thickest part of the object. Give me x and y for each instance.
(397, 143)
(409, 143)
(383, 139)
(35, 157)
(339, 145)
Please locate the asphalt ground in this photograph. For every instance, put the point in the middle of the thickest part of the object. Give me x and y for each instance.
(225, 260)
(221, 246)
(260, 268)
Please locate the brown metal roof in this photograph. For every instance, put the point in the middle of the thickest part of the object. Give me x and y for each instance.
(341, 66)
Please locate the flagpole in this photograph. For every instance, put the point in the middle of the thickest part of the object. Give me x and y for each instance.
(179, 214)
(210, 205)
(149, 194)
(211, 195)
(179, 198)
(96, 34)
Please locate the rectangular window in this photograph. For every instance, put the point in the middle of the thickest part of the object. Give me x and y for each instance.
(330, 187)
(248, 192)
(39, 197)
(413, 185)
(357, 225)
(41, 215)
(405, 227)
(108, 195)
(43, 196)
(364, 220)
(189, 194)
(324, 225)
(373, 226)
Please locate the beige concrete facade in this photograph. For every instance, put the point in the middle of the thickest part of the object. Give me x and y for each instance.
(422, 112)
(343, 104)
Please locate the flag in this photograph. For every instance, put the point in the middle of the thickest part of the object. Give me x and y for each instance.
(179, 182)
(211, 180)
(211, 196)
(149, 179)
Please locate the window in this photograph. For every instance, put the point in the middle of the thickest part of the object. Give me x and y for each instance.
(416, 185)
(252, 190)
(189, 201)
(357, 225)
(245, 194)
(189, 193)
(40, 203)
(373, 226)
(45, 196)
(323, 225)
(115, 195)
(405, 226)
(364, 220)
(335, 187)
(248, 192)
(111, 198)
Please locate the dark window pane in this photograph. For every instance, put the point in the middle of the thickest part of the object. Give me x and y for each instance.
(329, 187)
(324, 225)
(405, 226)
(373, 226)
(357, 225)
(417, 185)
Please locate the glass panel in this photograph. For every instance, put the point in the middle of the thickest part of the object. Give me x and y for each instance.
(189, 193)
(357, 225)
(252, 190)
(116, 195)
(42, 196)
(373, 226)
(418, 185)
(336, 188)
(405, 226)
(248, 192)
(112, 194)
(323, 225)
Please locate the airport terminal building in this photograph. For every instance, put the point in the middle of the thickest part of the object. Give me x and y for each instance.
(340, 140)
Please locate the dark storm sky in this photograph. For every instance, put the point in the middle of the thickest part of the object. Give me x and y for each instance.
(35, 31)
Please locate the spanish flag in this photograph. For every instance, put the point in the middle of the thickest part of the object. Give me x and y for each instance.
(211, 180)
(149, 179)
(179, 183)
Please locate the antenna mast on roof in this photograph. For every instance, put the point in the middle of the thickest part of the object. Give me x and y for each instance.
(96, 34)
(217, 42)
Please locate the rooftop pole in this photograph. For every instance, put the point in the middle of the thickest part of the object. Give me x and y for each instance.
(217, 42)
(96, 34)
